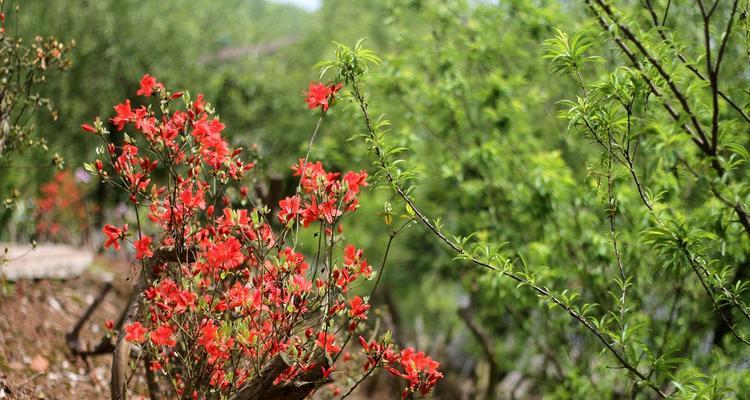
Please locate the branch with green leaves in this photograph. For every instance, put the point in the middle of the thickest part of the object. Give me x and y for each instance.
(604, 112)
(351, 67)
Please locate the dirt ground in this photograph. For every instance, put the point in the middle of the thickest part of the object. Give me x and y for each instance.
(35, 362)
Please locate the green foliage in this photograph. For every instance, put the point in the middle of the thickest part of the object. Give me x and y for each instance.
(625, 227)
(590, 158)
(23, 68)
(569, 54)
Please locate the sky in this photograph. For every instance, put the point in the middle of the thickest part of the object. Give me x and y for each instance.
(310, 5)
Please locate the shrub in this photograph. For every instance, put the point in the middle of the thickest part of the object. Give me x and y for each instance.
(226, 304)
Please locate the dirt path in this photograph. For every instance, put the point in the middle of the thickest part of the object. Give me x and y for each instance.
(35, 362)
(47, 261)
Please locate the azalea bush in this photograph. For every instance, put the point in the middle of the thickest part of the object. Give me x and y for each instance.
(227, 305)
(61, 209)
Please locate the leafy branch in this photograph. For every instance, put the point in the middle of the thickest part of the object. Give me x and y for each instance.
(351, 67)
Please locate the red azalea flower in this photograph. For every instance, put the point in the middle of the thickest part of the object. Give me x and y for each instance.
(191, 200)
(199, 104)
(124, 115)
(227, 254)
(301, 284)
(148, 84)
(238, 295)
(162, 336)
(419, 369)
(289, 209)
(352, 255)
(358, 308)
(327, 371)
(356, 180)
(329, 211)
(143, 248)
(207, 335)
(88, 128)
(155, 366)
(364, 344)
(326, 342)
(320, 95)
(135, 333)
(114, 235)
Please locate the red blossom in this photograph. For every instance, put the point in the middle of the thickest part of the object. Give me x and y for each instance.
(356, 180)
(301, 284)
(199, 104)
(124, 115)
(320, 95)
(135, 332)
(88, 128)
(148, 84)
(207, 335)
(419, 369)
(226, 254)
(162, 336)
(326, 342)
(355, 258)
(327, 372)
(143, 248)
(238, 295)
(289, 209)
(358, 308)
(114, 235)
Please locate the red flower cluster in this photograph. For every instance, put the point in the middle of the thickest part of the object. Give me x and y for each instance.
(416, 367)
(237, 295)
(136, 333)
(329, 194)
(321, 95)
(61, 210)
(114, 235)
(148, 84)
(143, 248)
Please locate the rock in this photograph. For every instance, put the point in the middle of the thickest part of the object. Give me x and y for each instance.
(43, 262)
(15, 365)
(39, 364)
